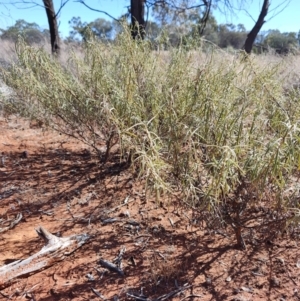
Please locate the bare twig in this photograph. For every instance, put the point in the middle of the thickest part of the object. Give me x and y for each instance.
(175, 292)
(98, 294)
(110, 266)
(97, 10)
(191, 296)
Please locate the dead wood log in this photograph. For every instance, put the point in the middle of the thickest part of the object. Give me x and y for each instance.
(55, 250)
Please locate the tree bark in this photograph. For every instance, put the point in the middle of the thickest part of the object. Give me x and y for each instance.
(137, 10)
(256, 28)
(52, 21)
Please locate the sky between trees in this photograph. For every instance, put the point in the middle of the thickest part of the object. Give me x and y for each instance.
(285, 21)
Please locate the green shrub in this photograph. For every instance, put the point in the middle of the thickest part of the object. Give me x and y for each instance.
(214, 128)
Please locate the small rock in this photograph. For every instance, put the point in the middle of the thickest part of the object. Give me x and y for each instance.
(2, 161)
(246, 289)
(90, 277)
(24, 155)
(275, 282)
(281, 260)
(208, 281)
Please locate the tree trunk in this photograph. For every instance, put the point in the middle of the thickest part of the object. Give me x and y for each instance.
(239, 238)
(137, 9)
(256, 28)
(205, 17)
(52, 21)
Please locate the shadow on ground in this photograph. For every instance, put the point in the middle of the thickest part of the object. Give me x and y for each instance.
(72, 192)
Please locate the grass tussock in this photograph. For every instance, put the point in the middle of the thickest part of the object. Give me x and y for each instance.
(218, 129)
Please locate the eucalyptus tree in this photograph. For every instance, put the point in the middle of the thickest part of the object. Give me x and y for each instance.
(52, 16)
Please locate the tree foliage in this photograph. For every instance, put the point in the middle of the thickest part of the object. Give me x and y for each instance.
(222, 35)
(173, 31)
(101, 28)
(231, 36)
(31, 32)
(281, 42)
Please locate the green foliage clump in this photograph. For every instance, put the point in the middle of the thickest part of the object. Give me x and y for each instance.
(215, 129)
(282, 43)
(31, 32)
(100, 28)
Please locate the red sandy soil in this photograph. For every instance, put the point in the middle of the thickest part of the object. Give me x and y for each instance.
(57, 183)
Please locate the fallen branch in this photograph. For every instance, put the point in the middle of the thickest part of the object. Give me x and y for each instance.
(55, 250)
(110, 266)
(173, 293)
(98, 294)
(12, 223)
(161, 298)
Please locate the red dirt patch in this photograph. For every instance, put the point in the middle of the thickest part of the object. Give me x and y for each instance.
(57, 183)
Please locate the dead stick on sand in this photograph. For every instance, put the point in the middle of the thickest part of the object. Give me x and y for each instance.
(55, 250)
